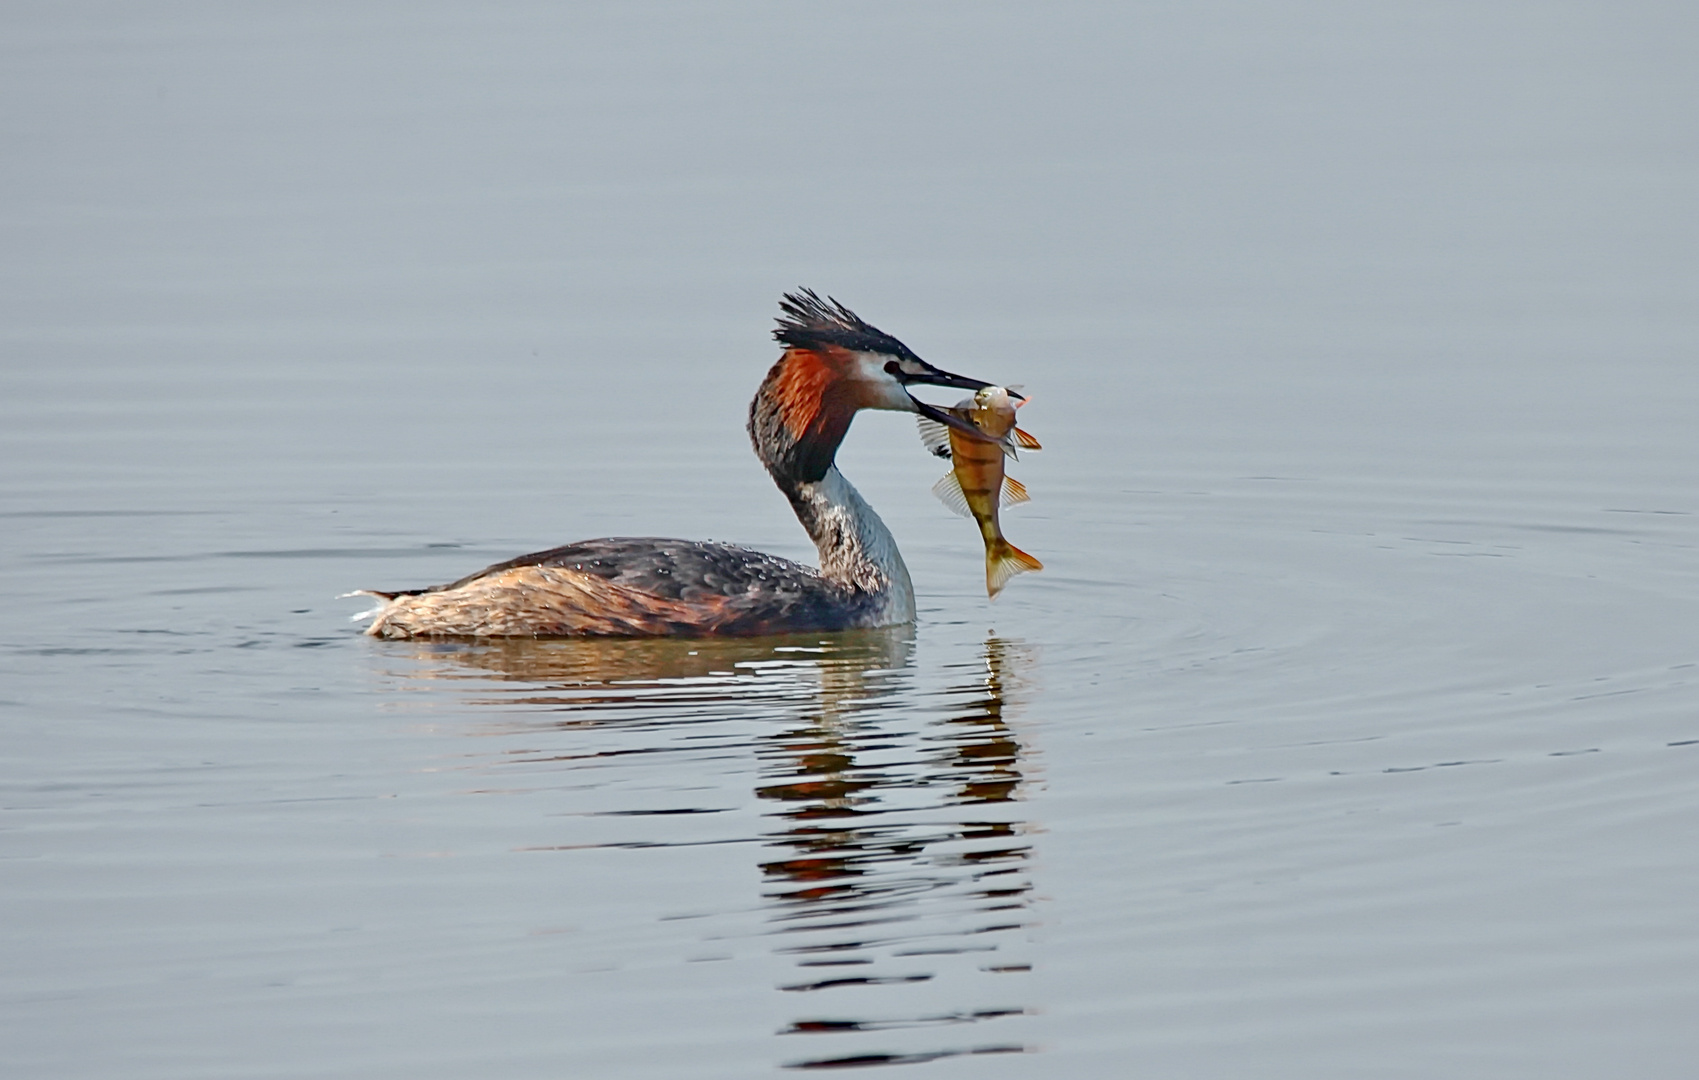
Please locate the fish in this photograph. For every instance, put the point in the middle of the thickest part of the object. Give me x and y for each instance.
(976, 487)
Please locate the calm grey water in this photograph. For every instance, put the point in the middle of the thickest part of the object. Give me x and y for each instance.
(1351, 731)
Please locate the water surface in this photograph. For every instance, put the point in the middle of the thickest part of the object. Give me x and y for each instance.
(1349, 731)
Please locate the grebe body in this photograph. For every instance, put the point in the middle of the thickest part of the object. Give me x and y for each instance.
(833, 365)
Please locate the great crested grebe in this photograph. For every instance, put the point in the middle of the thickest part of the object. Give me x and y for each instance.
(834, 365)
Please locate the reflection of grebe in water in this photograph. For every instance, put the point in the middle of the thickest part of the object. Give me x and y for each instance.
(894, 873)
(833, 366)
(663, 678)
(892, 834)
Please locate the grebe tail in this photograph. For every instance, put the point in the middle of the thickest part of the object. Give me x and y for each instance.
(834, 365)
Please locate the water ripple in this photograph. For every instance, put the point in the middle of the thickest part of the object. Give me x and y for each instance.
(880, 803)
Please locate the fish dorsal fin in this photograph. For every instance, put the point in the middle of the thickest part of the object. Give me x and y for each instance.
(1025, 441)
(935, 437)
(949, 492)
(1013, 491)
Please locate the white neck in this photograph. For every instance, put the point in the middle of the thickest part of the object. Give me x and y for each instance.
(855, 547)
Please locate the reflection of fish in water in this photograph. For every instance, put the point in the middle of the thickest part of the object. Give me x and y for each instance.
(977, 486)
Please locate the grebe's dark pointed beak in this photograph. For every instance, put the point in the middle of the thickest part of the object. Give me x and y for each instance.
(913, 370)
(932, 376)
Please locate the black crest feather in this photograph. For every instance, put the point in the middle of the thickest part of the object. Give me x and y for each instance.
(810, 322)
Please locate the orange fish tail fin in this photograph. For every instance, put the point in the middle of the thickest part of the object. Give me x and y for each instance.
(1003, 561)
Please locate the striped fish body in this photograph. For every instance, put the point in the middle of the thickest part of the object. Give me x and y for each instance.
(977, 484)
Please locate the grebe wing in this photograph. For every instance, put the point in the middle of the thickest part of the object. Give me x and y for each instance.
(674, 569)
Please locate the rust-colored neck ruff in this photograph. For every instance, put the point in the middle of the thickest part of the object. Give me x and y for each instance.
(799, 416)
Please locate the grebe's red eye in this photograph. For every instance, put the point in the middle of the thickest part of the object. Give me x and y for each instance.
(893, 368)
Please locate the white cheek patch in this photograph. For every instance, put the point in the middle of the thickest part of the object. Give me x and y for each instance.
(887, 389)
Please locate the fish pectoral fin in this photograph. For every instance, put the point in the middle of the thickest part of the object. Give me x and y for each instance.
(1025, 441)
(935, 437)
(1014, 491)
(949, 492)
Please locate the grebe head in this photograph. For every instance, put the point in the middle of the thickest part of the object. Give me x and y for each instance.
(873, 369)
(834, 365)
